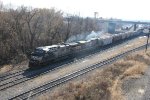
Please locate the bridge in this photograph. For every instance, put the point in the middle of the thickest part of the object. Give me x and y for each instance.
(123, 21)
(111, 24)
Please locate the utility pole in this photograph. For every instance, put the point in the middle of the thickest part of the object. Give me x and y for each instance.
(95, 15)
(148, 34)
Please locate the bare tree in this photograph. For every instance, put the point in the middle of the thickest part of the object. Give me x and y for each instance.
(68, 20)
(53, 22)
(17, 24)
(32, 25)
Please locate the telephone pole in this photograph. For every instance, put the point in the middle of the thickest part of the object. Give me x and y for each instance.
(148, 34)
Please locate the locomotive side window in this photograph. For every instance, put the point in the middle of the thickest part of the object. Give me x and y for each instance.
(53, 49)
(38, 52)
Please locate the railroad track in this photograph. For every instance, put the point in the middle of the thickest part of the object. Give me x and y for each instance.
(18, 78)
(45, 87)
(10, 75)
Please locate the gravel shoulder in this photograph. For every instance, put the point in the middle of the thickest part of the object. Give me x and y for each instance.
(137, 88)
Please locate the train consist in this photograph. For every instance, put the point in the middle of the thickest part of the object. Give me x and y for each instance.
(47, 54)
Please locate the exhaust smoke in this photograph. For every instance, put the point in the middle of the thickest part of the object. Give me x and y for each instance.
(85, 36)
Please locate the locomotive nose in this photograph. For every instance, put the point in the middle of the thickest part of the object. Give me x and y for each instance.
(37, 58)
(35, 61)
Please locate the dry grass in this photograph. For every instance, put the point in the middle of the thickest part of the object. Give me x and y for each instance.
(139, 68)
(13, 67)
(134, 71)
(5, 68)
(102, 84)
(80, 90)
(138, 64)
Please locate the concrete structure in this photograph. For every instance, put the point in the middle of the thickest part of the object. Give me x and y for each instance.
(110, 25)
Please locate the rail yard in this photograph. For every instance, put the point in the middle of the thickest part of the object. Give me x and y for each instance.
(74, 50)
(27, 82)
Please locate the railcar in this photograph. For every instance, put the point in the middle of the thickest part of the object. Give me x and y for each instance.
(106, 40)
(123, 35)
(117, 37)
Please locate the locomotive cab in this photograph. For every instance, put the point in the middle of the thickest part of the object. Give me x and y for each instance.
(36, 57)
(42, 55)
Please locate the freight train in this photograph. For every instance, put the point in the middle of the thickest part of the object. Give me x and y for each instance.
(47, 54)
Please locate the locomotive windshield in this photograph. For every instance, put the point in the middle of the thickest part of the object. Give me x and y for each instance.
(38, 52)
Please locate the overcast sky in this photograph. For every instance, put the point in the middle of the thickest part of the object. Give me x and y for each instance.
(123, 9)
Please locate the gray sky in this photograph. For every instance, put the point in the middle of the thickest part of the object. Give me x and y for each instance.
(124, 9)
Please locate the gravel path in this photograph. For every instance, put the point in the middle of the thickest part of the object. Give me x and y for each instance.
(137, 89)
(146, 96)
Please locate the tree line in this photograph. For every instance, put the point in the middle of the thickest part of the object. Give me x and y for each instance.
(24, 28)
